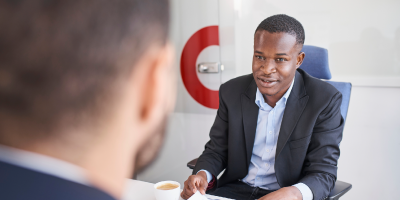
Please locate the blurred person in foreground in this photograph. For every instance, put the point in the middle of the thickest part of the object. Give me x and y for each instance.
(85, 89)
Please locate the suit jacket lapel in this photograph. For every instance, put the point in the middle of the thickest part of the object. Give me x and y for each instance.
(250, 115)
(294, 108)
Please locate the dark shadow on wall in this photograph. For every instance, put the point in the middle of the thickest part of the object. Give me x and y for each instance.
(372, 55)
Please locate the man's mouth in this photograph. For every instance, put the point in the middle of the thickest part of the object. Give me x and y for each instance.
(267, 82)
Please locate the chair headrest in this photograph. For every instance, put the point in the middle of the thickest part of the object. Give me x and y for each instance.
(316, 62)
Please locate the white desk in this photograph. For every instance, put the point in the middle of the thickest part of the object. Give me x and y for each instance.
(140, 190)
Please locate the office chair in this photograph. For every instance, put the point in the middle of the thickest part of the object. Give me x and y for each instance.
(316, 64)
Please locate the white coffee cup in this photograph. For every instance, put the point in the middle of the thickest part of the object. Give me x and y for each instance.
(172, 194)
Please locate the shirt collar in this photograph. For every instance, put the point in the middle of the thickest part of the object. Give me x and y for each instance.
(43, 164)
(263, 105)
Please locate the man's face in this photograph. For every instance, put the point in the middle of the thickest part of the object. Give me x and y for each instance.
(276, 58)
(151, 148)
(159, 95)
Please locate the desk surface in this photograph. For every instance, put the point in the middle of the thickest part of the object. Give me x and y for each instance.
(140, 190)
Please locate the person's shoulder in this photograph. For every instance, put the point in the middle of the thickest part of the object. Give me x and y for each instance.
(237, 85)
(43, 186)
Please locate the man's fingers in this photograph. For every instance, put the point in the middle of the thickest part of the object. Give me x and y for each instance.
(191, 184)
(203, 187)
(187, 193)
(202, 191)
(186, 186)
(183, 195)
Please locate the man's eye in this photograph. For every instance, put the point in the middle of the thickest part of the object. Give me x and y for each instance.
(280, 59)
(260, 57)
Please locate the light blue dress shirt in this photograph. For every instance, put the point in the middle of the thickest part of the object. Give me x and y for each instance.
(262, 164)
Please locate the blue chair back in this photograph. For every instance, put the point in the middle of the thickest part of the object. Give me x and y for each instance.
(316, 64)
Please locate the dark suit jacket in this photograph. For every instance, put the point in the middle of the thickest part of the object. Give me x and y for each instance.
(308, 143)
(17, 183)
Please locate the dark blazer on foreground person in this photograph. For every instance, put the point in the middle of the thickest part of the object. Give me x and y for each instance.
(18, 183)
(308, 144)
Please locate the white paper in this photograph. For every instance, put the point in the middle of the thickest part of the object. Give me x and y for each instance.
(198, 196)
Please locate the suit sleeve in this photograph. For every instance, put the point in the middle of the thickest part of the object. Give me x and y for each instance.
(214, 157)
(320, 165)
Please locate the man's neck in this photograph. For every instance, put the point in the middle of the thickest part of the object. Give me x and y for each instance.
(273, 99)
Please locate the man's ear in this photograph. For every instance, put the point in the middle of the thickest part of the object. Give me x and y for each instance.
(158, 90)
(300, 59)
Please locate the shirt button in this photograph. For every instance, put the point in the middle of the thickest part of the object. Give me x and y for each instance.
(266, 164)
(270, 132)
(267, 150)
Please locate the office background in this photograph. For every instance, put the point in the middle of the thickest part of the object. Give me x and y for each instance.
(363, 41)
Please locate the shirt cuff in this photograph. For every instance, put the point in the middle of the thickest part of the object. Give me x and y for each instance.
(209, 176)
(305, 191)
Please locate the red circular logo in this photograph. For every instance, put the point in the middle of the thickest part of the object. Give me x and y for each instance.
(200, 40)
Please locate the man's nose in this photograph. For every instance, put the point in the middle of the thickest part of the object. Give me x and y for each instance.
(269, 67)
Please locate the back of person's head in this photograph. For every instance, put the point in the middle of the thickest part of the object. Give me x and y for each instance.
(77, 75)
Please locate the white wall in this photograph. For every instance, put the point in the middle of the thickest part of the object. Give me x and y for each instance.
(371, 144)
(362, 36)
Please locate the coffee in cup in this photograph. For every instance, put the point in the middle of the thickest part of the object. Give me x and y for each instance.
(167, 190)
(167, 186)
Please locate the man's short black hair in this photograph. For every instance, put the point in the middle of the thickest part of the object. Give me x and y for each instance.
(63, 59)
(283, 23)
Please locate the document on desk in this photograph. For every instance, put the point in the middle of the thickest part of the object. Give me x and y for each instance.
(199, 196)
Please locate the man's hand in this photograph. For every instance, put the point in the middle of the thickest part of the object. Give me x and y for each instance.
(194, 183)
(286, 193)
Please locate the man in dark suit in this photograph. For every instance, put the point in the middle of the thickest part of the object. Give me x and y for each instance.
(80, 90)
(277, 130)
